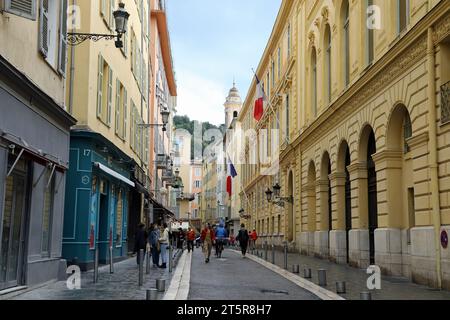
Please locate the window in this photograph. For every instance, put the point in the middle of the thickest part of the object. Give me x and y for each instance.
(273, 74)
(47, 212)
(328, 62)
(279, 225)
(268, 84)
(49, 32)
(370, 38)
(403, 14)
(289, 41)
(273, 225)
(279, 63)
(121, 110)
(198, 172)
(119, 217)
(407, 132)
(346, 41)
(106, 11)
(197, 184)
(314, 82)
(23, 8)
(287, 117)
(104, 91)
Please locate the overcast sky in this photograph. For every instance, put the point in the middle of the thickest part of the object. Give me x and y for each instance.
(212, 43)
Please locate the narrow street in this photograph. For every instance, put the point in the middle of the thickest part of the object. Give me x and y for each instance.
(235, 278)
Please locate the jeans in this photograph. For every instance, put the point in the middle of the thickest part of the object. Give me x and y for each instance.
(155, 256)
(164, 250)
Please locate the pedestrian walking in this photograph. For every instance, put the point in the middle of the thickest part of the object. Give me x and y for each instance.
(243, 238)
(190, 239)
(164, 243)
(140, 242)
(155, 248)
(208, 238)
(253, 238)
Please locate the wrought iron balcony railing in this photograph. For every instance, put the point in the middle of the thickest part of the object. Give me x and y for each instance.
(445, 103)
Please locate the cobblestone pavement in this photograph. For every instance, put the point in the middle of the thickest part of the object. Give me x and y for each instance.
(236, 278)
(122, 285)
(392, 288)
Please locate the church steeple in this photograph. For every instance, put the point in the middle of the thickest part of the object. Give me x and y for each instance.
(233, 105)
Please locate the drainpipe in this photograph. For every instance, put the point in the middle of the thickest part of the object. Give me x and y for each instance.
(433, 152)
(72, 67)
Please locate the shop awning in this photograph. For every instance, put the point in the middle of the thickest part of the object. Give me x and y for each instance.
(114, 174)
(159, 206)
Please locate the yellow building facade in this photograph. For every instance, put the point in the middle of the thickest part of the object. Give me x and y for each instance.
(360, 92)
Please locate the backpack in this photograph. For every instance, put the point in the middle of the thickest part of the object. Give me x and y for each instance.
(243, 236)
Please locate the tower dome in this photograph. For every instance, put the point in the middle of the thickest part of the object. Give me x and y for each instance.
(233, 105)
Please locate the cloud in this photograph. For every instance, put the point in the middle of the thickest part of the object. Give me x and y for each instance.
(200, 98)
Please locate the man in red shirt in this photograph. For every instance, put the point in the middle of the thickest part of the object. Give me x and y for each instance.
(190, 240)
(208, 238)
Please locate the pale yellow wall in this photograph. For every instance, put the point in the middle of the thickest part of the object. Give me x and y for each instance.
(19, 39)
(86, 71)
(312, 136)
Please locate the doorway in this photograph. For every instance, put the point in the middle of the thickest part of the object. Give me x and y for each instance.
(12, 246)
(372, 195)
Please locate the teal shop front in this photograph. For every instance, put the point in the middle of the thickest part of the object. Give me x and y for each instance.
(97, 196)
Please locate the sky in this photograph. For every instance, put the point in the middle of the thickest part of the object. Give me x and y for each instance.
(214, 42)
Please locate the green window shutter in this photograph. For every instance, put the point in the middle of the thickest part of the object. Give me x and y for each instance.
(100, 86)
(103, 8)
(23, 8)
(44, 28)
(117, 118)
(125, 113)
(110, 94)
(62, 61)
(111, 16)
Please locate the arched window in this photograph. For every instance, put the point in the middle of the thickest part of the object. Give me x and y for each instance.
(346, 40)
(314, 82)
(328, 61)
(407, 132)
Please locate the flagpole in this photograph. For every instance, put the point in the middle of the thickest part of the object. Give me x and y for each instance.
(270, 105)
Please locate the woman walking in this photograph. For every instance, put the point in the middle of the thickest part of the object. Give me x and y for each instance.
(243, 238)
(154, 244)
(208, 237)
(164, 243)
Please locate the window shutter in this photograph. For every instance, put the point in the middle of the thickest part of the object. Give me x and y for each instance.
(23, 8)
(111, 16)
(44, 30)
(102, 8)
(63, 39)
(110, 94)
(125, 113)
(100, 86)
(117, 119)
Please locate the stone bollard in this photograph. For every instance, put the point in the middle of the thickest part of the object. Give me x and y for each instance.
(295, 268)
(111, 260)
(152, 294)
(95, 265)
(307, 273)
(170, 258)
(265, 250)
(322, 276)
(365, 295)
(285, 256)
(161, 285)
(147, 264)
(340, 287)
(273, 254)
(141, 267)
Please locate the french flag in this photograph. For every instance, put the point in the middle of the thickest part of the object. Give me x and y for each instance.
(258, 112)
(231, 175)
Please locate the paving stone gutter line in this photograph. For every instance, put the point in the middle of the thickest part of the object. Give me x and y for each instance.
(320, 292)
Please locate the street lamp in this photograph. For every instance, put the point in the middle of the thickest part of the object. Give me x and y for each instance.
(275, 198)
(165, 113)
(121, 17)
(243, 215)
